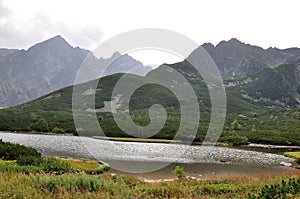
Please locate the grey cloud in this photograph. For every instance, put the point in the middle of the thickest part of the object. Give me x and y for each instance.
(84, 36)
(18, 36)
(16, 33)
(4, 11)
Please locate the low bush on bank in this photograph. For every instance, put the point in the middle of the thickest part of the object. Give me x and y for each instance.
(285, 189)
(10, 151)
(20, 158)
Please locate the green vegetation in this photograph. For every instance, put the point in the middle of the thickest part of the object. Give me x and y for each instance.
(17, 157)
(179, 172)
(285, 189)
(9, 151)
(246, 121)
(88, 166)
(274, 126)
(19, 184)
(295, 155)
(33, 176)
(27, 156)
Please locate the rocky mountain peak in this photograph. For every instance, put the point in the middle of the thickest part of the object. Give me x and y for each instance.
(56, 43)
(51, 65)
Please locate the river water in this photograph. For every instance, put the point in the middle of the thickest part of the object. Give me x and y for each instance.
(135, 157)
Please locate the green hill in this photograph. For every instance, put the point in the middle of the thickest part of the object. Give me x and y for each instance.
(247, 120)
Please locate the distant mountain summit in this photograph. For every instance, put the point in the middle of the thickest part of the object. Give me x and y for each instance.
(49, 66)
(228, 55)
(263, 76)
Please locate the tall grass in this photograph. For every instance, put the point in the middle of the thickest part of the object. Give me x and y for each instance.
(20, 185)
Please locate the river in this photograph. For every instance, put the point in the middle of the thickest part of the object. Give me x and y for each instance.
(159, 158)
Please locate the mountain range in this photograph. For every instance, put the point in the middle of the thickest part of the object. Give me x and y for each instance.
(269, 76)
(262, 90)
(50, 65)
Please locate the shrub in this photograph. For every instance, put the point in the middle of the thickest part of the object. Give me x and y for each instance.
(58, 130)
(53, 165)
(235, 140)
(235, 125)
(279, 190)
(10, 151)
(80, 184)
(29, 160)
(179, 172)
(40, 125)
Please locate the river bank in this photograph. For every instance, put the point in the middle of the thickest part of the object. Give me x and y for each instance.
(206, 171)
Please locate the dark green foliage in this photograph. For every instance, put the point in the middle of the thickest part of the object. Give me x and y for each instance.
(27, 156)
(285, 189)
(235, 125)
(235, 140)
(90, 184)
(29, 160)
(261, 124)
(58, 130)
(53, 165)
(46, 165)
(40, 125)
(9, 151)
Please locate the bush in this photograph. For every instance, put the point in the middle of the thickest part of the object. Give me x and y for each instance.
(58, 130)
(29, 160)
(53, 165)
(179, 172)
(40, 125)
(235, 125)
(79, 184)
(285, 189)
(235, 140)
(9, 151)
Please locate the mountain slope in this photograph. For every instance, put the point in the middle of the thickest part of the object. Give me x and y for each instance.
(249, 67)
(244, 121)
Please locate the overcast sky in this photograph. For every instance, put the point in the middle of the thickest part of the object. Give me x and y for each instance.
(266, 23)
